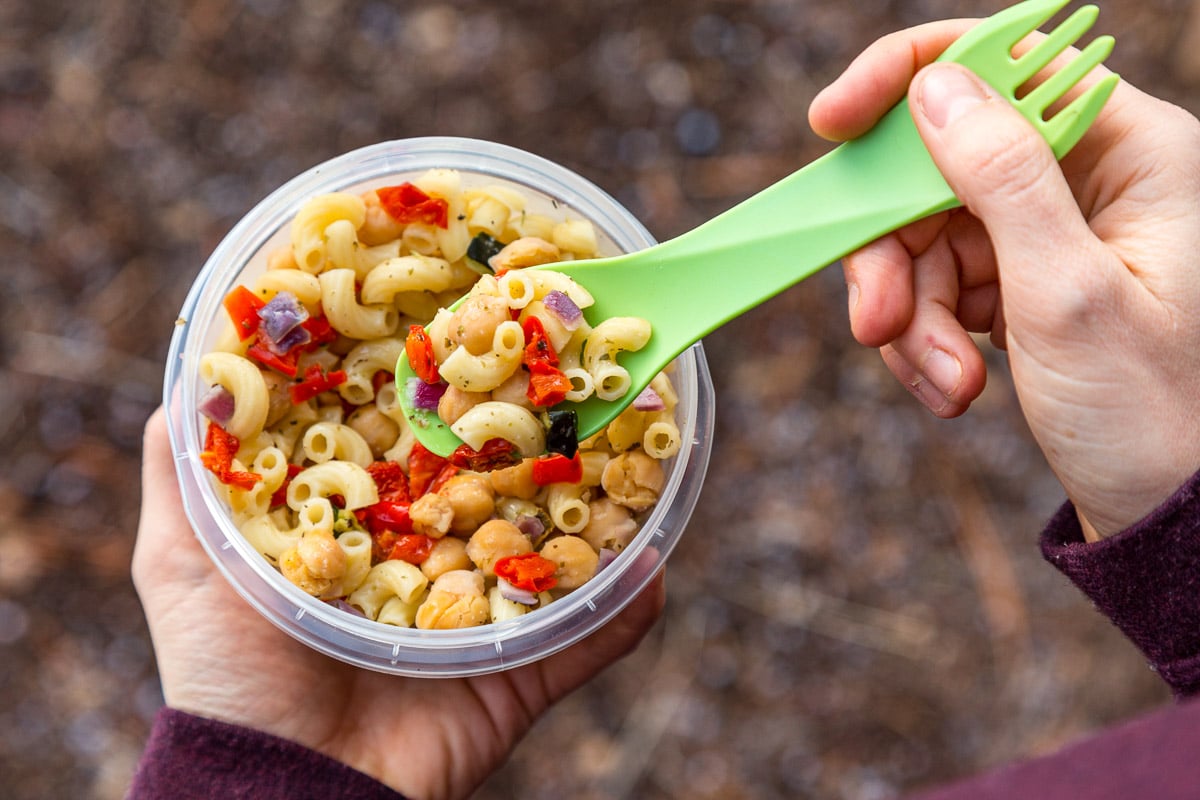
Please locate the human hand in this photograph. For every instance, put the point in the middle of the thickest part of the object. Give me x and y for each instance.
(1085, 274)
(426, 738)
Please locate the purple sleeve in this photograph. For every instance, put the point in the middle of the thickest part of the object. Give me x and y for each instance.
(194, 758)
(1145, 579)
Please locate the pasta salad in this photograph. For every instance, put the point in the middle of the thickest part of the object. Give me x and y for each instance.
(307, 441)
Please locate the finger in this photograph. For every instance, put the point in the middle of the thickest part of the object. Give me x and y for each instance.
(166, 548)
(978, 282)
(877, 79)
(154, 443)
(941, 364)
(977, 307)
(879, 291)
(1006, 174)
(879, 281)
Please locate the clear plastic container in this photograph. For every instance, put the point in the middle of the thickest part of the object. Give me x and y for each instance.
(489, 648)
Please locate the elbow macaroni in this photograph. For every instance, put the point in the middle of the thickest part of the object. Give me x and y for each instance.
(242, 380)
(347, 315)
(496, 420)
(309, 238)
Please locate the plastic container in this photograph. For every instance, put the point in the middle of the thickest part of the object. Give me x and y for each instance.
(241, 256)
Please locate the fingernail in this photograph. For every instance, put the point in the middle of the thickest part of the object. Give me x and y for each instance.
(928, 394)
(947, 93)
(852, 296)
(942, 370)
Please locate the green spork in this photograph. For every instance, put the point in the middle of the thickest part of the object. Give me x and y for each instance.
(692, 284)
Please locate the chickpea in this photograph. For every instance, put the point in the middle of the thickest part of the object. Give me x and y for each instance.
(431, 515)
(460, 581)
(376, 428)
(455, 601)
(494, 540)
(576, 561)
(471, 497)
(314, 563)
(447, 554)
(455, 402)
(321, 554)
(515, 481)
(528, 251)
(633, 479)
(474, 324)
(294, 570)
(379, 227)
(609, 525)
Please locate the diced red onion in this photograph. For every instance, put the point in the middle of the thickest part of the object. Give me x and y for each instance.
(281, 317)
(607, 556)
(218, 405)
(294, 338)
(531, 526)
(648, 400)
(425, 396)
(510, 592)
(564, 308)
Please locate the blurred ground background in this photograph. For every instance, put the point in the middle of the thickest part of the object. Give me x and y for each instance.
(858, 607)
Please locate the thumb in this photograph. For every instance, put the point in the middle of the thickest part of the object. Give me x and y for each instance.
(166, 550)
(1005, 173)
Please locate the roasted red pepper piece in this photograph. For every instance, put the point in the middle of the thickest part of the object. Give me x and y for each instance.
(419, 348)
(242, 305)
(390, 481)
(406, 203)
(381, 543)
(386, 515)
(286, 363)
(423, 466)
(495, 454)
(447, 472)
(220, 446)
(319, 331)
(548, 386)
(557, 468)
(392, 533)
(315, 382)
(529, 571)
(537, 344)
(411, 547)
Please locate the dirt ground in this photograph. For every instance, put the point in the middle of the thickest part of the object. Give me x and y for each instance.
(858, 607)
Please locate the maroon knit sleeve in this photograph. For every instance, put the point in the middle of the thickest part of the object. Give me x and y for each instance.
(1146, 579)
(194, 758)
